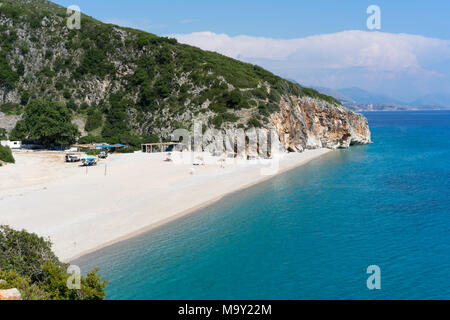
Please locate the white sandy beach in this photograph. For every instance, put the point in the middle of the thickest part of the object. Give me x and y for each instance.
(82, 211)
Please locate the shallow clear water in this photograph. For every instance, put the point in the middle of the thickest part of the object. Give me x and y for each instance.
(310, 233)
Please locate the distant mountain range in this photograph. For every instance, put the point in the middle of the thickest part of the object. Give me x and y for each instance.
(363, 96)
(361, 100)
(434, 99)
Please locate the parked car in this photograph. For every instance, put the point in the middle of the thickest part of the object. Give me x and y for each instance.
(103, 155)
(70, 157)
(88, 162)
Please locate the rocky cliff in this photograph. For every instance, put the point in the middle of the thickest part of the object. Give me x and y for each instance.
(308, 123)
(301, 123)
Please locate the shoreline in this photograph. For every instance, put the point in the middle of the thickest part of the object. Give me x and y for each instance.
(189, 211)
(78, 234)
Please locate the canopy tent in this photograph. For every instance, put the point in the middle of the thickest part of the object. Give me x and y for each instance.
(108, 146)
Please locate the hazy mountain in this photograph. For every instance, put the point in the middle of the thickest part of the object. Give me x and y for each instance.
(336, 94)
(363, 96)
(362, 100)
(437, 99)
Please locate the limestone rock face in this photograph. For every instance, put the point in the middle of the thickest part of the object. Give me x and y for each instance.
(10, 294)
(8, 122)
(299, 124)
(309, 123)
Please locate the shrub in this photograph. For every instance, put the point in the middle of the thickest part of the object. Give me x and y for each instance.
(59, 85)
(89, 139)
(48, 54)
(315, 94)
(10, 108)
(230, 117)
(127, 150)
(66, 94)
(84, 106)
(94, 120)
(48, 72)
(28, 264)
(71, 105)
(3, 134)
(20, 69)
(216, 121)
(153, 138)
(93, 152)
(253, 122)
(263, 111)
(260, 93)
(234, 99)
(8, 77)
(95, 62)
(217, 108)
(116, 119)
(25, 97)
(6, 155)
(24, 49)
(19, 132)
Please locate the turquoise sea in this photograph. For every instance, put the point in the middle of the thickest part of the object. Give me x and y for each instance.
(310, 233)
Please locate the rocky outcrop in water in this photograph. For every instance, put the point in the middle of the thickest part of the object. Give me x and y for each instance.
(300, 124)
(308, 123)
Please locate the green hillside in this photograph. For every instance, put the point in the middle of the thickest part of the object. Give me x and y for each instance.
(125, 85)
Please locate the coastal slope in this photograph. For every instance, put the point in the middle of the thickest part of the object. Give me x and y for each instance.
(128, 86)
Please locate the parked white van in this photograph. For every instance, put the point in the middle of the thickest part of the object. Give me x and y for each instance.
(11, 144)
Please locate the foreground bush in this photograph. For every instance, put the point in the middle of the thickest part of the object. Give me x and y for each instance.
(28, 264)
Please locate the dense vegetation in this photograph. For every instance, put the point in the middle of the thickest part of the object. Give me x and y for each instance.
(47, 122)
(127, 85)
(6, 155)
(8, 77)
(28, 264)
(3, 134)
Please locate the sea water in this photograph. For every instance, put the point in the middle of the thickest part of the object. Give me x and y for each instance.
(310, 233)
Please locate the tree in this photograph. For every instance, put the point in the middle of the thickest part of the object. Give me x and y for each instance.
(71, 105)
(20, 69)
(235, 100)
(19, 132)
(3, 134)
(24, 253)
(67, 94)
(25, 97)
(95, 62)
(116, 119)
(94, 120)
(8, 77)
(47, 122)
(147, 97)
(28, 264)
(6, 154)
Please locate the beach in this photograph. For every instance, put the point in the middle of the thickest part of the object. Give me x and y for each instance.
(82, 210)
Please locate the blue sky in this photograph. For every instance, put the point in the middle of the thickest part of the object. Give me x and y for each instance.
(402, 66)
(269, 18)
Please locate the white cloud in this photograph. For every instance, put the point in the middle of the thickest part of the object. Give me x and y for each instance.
(337, 59)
